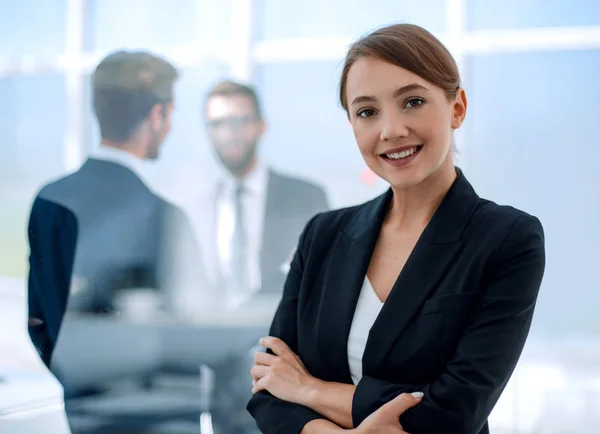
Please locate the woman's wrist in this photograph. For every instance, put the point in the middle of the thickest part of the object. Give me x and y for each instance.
(309, 394)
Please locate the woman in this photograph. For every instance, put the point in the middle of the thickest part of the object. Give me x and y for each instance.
(427, 288)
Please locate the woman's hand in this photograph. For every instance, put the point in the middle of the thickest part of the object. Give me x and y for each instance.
(386, 419)
(283, 374)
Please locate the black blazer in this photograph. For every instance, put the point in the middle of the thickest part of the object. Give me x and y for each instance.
(126, 237)
(453, 326)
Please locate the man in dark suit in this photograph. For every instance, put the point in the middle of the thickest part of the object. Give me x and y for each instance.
(102, 223)
(249, 238)
(258, 213)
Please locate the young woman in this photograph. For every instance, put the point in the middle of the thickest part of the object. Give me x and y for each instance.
(428, 288)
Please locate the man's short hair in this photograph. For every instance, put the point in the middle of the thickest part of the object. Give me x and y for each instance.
(126, 85)
(234, 88)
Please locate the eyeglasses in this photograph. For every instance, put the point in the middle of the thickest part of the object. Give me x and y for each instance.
(231, 122)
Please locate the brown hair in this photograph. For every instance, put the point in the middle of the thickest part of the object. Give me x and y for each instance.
(234, 88)
(126, 85)
(409, 47)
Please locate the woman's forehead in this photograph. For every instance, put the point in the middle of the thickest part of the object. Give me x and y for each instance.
(372, 76)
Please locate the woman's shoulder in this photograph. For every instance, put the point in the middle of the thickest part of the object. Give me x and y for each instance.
(494, 215)
(495, 224)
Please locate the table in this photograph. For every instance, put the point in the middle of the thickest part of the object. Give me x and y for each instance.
(31, 399)
(31, 402)
(93, 349)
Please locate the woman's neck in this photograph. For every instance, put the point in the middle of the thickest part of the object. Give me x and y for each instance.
(415, 206)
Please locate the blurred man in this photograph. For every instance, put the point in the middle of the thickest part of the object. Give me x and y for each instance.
(258, 213)
(250, 235)
(102, 222)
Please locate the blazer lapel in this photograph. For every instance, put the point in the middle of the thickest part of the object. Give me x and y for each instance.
(343, 279)
(426, 266)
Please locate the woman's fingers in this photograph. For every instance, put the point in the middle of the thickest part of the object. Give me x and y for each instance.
(264, 359)
(259, 371)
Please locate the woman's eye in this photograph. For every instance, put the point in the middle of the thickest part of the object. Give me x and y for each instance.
(414, 102)
(365, 113)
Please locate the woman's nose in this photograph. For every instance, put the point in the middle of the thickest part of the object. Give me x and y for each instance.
(393, 127)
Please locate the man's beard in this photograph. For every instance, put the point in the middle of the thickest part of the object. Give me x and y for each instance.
(238, 166)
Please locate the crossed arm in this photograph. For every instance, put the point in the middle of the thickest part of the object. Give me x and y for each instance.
(283, 374)
(287, 399)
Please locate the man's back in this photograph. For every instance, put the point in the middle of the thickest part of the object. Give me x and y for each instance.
(124, 233)
(121, 228)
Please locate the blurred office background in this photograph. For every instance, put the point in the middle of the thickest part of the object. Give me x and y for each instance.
(531, 69)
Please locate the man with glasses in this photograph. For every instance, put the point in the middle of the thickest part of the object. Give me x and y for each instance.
(249, 236)
(258, 212)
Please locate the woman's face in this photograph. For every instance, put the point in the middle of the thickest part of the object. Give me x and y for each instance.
(403, 124)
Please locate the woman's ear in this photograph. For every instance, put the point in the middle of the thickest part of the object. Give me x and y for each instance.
(459, 109)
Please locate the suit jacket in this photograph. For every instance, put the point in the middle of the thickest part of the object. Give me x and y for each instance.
(127, 237)
(290, 204)
(453, 326)
(52, 234)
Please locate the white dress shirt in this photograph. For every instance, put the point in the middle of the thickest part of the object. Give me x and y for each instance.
(367, 309)
(122, 158)
(254, 206)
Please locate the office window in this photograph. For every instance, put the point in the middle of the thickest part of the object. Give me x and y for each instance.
(32, 121)
(154, 24)
(533, 142)
(91, 134)
(308, 131)
(313, 18)
(32, 27)
(516, 14)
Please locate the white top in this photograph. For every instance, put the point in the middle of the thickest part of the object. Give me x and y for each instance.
(367, 310)
(254, 207)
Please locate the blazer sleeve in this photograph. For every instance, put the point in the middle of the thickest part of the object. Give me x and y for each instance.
(461, 399)
(272, 415)
(52, 235)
